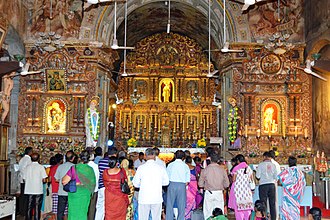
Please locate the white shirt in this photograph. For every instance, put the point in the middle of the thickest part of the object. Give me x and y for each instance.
(160, 162)
(278, 167)
(178, 171)
(138, 163)
(26, 160)
(96, 172)
(150, 177)
(33, 176)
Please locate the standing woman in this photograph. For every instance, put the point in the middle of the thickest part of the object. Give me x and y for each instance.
(78, 201)
(116, 202)
(240, 198)
(192, 189)
(128, 166)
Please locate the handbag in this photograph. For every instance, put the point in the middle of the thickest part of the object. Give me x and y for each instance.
(71, 186)
(252, 185)
(123, 184)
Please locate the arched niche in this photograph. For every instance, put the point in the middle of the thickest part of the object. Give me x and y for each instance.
(55, 116)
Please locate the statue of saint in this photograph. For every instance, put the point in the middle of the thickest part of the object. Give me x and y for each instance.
(166, 92)
(56, 118)
(269, 122)
(5, 94)
(92, 124)
(234, 123)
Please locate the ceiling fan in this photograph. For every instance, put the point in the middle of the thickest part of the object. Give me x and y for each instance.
(248, 3)
(308, 70)
(115, 41)
(25, 69)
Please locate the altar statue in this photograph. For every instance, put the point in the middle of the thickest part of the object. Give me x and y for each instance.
(166, 92)
(269, 122)
(92, 123)
(55, 118)
(234, 125)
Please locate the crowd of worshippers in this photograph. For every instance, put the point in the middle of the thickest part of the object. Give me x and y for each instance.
(114, 187)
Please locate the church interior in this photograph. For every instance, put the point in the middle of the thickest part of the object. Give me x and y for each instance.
(176, 74)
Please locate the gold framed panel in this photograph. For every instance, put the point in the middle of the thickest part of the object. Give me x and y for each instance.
(56, 80)
(55, 116)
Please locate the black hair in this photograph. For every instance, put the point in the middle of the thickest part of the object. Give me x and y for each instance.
(316, 213)
(52, 161)
(69, 155)
(189, 159)
(261, 207)
(187, 152)
(156, 149)
(28, 150)
(59, 158)
(240, 158)
(272, 154)
(292, 161)
(35, 157)
(214, 157)
(217, 212)
(142, 154)
(113, 162)
(98, 151)
(267, 154)
(130, 164)
(112, 151)
(209, 150)
(197, 159)
(179, 154)
(84, 156)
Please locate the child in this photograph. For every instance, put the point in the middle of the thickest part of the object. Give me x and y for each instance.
(315, 214)
(259, 212)
(217, 214)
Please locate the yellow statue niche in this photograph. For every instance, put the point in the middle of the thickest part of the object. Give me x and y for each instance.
(166, 88)
(56, 117)
(270, 121)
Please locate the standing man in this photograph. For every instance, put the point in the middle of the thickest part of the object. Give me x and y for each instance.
(23, 163)
(278, 171)
(267, 175)
(150, 178)
(214, 180)
(103, 165)
(139, 161)
(34, 176)
(158, 160)
(179, 175)
(60, 173)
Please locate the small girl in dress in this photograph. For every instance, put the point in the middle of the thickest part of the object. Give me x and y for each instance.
(259, 212)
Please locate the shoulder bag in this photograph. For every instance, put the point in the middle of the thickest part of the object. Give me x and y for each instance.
(71, 186)
(123, 183)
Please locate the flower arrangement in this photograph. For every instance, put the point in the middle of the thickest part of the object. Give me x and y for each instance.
(232, 124)
(132, 142)
(201, 143)
(300, 152)
(253, 150)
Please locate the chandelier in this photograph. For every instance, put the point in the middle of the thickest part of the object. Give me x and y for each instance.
(278, 43)
(135, 97)
(48, 42)
(196, 99)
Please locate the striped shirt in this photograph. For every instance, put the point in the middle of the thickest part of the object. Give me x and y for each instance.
(103, 165)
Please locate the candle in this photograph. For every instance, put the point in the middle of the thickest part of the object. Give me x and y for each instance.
(305, 133)
(295, 131)
(258, 133)
(269, 133)
(174, 124)
(119, 116)
(130, 116)
(204, 125)
(159, 122)
(195, 125)
(127, 126)
(284, 132)
(246, 130)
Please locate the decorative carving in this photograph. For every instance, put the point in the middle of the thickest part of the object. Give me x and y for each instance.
(271, 63)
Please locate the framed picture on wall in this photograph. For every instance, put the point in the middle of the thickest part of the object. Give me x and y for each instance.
(56, 80)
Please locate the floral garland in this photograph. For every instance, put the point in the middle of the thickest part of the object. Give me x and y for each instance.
(201, 143)
(232, 124)
(132, 142)
(97, 133)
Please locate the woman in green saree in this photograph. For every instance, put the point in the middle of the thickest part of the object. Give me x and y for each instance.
(78, 201)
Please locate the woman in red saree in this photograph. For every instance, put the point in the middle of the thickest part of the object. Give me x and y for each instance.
(116, 202)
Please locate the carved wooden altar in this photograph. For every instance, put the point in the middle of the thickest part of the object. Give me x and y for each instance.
(53, 104)
(276, 99)
(169, 73)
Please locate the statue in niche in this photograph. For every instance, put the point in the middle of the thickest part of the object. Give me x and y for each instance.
(167, 91)
(56, 117)
(270, 119)
(92, 123)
